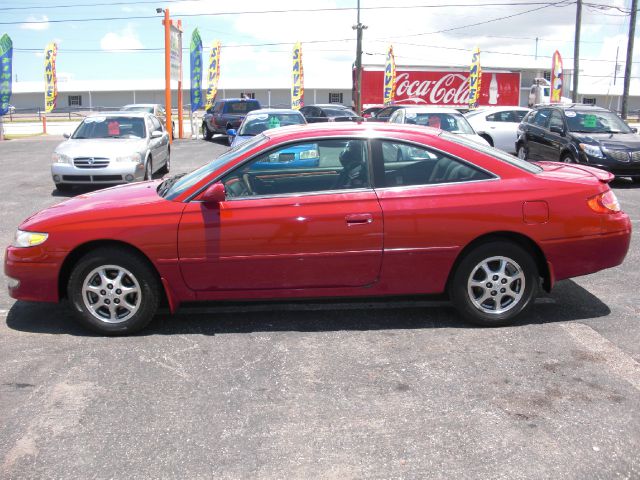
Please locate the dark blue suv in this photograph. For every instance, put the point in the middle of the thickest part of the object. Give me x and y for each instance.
(583, 134)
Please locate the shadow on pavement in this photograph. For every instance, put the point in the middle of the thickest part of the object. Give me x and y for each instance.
(569, 301)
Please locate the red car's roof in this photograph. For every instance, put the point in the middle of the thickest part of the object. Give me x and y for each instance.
(347, 128)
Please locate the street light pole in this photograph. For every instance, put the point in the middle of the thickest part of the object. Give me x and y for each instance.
(576, 52)
(167, 72)
(628, 65)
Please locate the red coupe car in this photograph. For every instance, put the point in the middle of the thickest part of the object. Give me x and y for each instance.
(386, 210)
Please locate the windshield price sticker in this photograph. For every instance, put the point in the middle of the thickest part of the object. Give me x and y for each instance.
(274, 122)
(570, 114)
(589, 121)
(114, 128)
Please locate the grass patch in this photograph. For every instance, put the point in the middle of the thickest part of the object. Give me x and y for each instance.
(16, 136)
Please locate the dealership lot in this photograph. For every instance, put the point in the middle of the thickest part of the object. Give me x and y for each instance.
(375, 389)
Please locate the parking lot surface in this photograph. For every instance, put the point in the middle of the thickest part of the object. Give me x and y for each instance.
(368, 389)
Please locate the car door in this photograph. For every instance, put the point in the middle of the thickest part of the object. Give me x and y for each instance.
(502, 127)
(554, 139)
(535, 134)
(287, 228)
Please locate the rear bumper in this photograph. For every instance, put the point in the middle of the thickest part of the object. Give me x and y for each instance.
(32, 274)
(573, 257)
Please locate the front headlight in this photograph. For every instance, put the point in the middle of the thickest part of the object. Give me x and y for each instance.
(29, 239)
(592, 150)
(135, 157)
(61, 158)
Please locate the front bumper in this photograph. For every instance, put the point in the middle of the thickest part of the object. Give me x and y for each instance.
(115, 172)
(619, 169)
(33, 273)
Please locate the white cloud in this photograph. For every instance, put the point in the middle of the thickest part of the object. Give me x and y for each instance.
(123, 40)
(36, 26)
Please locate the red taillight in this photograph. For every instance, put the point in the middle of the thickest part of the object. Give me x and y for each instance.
(605, 202)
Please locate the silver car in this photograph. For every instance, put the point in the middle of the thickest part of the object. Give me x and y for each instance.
(111, 148)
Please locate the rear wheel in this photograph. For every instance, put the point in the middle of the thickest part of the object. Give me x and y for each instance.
(63, 187)
(113, 291)
(494, 283)
(208, 134)
(523, 154)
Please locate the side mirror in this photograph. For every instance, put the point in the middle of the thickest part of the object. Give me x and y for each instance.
(214, 194)
(66, 135)
(557, 129)
(232, 132)
(157, 134)
(634, 130)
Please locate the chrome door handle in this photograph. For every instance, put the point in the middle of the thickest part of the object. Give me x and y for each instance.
(359, 218)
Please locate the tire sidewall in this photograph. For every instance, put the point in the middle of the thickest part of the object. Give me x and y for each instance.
(144, 275)
(458, 287)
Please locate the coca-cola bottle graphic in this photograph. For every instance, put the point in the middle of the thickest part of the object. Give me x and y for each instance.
(493, 90)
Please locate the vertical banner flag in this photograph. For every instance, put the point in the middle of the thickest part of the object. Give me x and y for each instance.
(389, 92)
(475, 74)
(214, 74)
(6, 54)
(175, 53)
(195, 50)
(297, 87)
(50, 82)
(556, 78)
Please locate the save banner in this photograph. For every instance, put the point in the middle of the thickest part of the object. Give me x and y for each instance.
(556, 78)
(389, 88)
(475, 78)
(50, 82)
(297, 86)
(195, 50)
(6, 55)
(214, 74)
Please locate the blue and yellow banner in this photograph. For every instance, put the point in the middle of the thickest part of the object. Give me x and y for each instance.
(50, 81)
(297, 86)
(556, 78)
(475, 79)
(389, 91)
(214, 74)
(6, 57)
(195, 50)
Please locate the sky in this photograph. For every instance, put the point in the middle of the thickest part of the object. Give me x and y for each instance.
(256, 47)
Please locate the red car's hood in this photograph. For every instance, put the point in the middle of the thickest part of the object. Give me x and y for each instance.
(111, 203)
(564, 171)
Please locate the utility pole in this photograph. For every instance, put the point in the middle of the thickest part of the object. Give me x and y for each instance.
(576, 52)
(627, 67)
(359, 27)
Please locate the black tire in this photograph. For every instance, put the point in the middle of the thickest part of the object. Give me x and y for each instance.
(567, 158)
(516, 297)
(63, 187)
(148, 169)
(173, 131)
(635, 179)
(522, 152)
(487, 138)
(167, 166)
(123, 259)
(206, 133)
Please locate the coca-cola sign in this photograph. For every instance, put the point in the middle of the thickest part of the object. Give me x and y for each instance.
(442, 88)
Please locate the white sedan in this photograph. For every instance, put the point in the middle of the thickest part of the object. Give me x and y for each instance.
(498, 125)
(448, 119)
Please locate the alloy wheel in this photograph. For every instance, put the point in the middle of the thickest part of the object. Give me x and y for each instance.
(111, 293)
(496, 285)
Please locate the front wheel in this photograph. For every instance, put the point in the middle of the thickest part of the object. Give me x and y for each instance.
(208, 134)
(167, 165)
(148, 170)
(494, 283)
(568, 158)
(113, 291)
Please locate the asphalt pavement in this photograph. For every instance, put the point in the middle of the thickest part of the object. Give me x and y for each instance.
(371, 389)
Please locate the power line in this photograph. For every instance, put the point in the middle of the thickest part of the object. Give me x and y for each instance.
(248, 12)
(379, 7)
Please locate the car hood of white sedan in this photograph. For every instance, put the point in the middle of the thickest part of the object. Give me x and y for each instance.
(102, 147)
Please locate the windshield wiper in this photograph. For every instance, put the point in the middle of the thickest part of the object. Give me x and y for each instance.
(164, 187)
